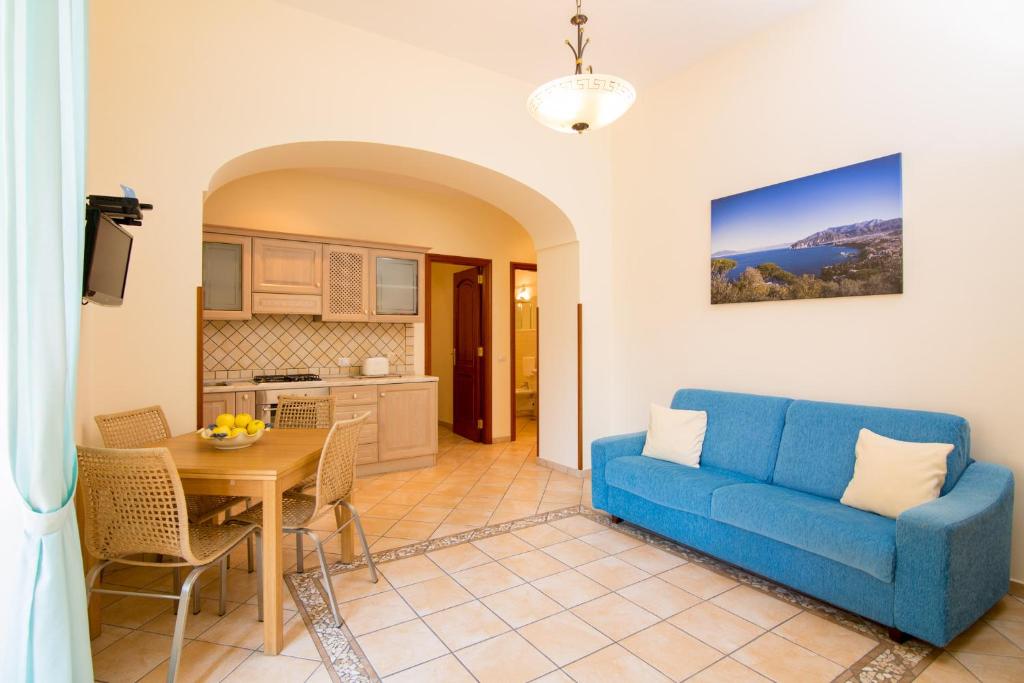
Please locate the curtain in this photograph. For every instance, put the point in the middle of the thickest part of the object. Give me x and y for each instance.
(42, 142)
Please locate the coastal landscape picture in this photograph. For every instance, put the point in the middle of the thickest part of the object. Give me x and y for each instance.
(832, 234)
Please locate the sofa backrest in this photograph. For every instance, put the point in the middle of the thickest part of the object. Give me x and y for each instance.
(816, 454)
(743, 429)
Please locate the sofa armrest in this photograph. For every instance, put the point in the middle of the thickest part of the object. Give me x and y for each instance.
(604, 450)
(953, 555)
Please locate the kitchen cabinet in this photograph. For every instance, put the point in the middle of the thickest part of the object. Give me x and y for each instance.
(282, 304)
(396, 286)
(245, 402)
(215, 404)
(406, 420)
(227, 277)
(281, 266)
(346, 283)
(350, 402)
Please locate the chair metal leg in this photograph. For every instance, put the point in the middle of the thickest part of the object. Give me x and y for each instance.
(179, 623)
(221, 607)
(298, 554)
(328, 587)
(195, 599)
(94, 573)
(259, 575)
(249, 555)
(176, 585)
(362, 539)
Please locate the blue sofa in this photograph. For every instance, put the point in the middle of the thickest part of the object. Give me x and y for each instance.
(766, 498)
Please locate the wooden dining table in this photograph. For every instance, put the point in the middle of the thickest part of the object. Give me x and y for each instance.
(279, 460)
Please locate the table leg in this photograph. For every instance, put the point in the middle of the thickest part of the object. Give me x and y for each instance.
(273, 619)
(347, 535)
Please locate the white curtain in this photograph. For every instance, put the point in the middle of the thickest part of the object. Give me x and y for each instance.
(42, 142)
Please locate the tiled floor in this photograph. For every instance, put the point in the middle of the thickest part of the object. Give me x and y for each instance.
(555, 602)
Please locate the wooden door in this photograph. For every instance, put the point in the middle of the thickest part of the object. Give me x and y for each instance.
(286, 266)
(468, 340)
(215, 404)
(346, 283)
(406, 420)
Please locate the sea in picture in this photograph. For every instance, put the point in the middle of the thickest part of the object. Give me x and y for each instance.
(809, 261)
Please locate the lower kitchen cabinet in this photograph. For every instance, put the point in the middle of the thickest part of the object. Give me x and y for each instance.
(406, 420)
(215, 404)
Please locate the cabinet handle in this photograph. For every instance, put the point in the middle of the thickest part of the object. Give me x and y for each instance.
(382, 394)
(354, 395)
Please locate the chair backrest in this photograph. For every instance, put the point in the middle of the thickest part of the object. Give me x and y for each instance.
(304, 412)
(134, 503)
(337, 469)
(133, 428)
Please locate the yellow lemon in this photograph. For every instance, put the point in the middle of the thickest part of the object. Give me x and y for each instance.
(243, 419)
(235, 431)
(222, 430)
(255, 426)
(225, 420)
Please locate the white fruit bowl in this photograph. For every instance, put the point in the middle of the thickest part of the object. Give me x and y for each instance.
(226, 443)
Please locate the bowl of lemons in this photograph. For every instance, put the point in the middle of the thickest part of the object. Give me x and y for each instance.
(231, 432)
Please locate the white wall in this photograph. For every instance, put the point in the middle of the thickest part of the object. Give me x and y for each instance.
(848, 81)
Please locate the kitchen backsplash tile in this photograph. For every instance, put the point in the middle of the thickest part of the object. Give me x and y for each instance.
(291, 344)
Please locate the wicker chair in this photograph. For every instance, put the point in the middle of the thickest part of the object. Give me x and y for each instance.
(134, 505)
(136, 428)
(304, 412)
(334, 477)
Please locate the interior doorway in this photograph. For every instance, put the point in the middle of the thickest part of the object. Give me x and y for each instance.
(458, 342)
(524, 345)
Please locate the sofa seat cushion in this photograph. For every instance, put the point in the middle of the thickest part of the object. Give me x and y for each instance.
(855, 538)
(668, 484)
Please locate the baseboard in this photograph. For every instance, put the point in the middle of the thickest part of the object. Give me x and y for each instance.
(558, 467)
(500, 439)
(446, 425)
(1017, 588)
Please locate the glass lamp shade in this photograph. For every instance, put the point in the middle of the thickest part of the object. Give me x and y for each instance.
(573, 104)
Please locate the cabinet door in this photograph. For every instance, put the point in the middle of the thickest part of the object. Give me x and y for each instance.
(227, 277)
(283, 304)
(396, 286)
(286, 266)
(406, 420)
(346, 283)
(245, 402)
(215, 404)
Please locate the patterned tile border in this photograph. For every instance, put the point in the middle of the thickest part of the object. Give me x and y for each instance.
(345, 662)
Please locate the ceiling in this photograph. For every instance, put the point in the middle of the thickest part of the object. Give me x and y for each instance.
(642, 41)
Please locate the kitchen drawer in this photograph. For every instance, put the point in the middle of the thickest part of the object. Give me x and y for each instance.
(368, 434)
(284, 304)
(353, 396)
(349, 412)
(366, 453)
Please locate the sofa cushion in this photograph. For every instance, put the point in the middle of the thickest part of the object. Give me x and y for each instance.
(855, 538)
(669, 484)
(743, 429)
(817, 451)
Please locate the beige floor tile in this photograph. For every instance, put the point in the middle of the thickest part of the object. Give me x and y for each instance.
(131, 657)
(615, 616)
(486, 579)
(401, 497)
(756, 606)
(727, 670)
(507, 658)
(828, 639)
(375, 612)
(574, 552)
(399, 647)
(534, 565)
(946, 669)
(414, 531)
(409, 570)
(441, 500)
(562, 497)
(612, 664)
(1009, 608)
(458, 557)
(671, 651)
(611, 541)
(423, 513)
(659, 597)
(387, 511)
(445, 669)
(982, 639)
(650, 559)
(466, 516)
(356, 584)
(240, 628)
(542, 535)
(504, 514)
(297, 640)
(521, 605)
(548, 506)
(107, 637)
(503, 545)
(449, 529)
(132, 612)
(717, 627)
(465, 625)
(992, 668)
(569, 588)
(702, 582)
(612, 573)
(578, 526)
(1013, 630)
(320, 675)
(557, 676)
(434, 595)
(564, 637)
(479, 503)
(201, 662)
(376, 526)
(194, 625)
(782, 661)
(258, 668)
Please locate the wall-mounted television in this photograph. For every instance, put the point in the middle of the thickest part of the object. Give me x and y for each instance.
(108, 248)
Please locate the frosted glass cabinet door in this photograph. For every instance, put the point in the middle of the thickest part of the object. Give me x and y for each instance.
(397, 286)
(227, 287)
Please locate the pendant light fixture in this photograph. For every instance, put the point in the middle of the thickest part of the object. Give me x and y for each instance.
(582, 101)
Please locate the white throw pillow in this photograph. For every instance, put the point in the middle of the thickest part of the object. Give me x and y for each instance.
(891, 476)
(676, 435)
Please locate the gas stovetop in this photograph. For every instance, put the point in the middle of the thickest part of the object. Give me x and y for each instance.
(264, 379)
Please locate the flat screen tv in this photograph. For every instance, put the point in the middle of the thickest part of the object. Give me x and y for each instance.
(108, 247)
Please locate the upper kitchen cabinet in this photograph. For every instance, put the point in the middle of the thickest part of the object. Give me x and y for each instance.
(281, 266)
(227, 277)
(346, 281)
(396, 286)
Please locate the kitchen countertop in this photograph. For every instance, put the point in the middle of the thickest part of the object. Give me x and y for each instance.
(248, 385)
